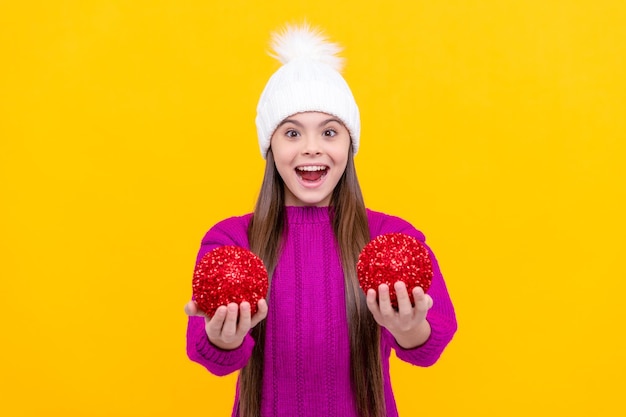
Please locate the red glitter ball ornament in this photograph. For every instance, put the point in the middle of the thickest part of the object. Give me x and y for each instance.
(394, 257)
(229, 274)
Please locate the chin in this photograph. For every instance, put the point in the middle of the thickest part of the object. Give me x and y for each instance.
(312, 202)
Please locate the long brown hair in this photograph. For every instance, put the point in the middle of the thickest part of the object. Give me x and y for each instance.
(352, 233)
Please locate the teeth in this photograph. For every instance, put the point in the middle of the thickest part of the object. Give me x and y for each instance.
(312, 168)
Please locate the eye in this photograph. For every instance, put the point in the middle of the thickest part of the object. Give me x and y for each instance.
(291, 133)
(330, 132)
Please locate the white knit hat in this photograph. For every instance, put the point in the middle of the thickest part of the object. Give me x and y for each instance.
(309, 80)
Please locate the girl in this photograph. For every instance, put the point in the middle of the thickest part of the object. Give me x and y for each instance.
(322, 347)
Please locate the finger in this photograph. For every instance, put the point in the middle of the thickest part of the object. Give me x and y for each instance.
(423, 302)
(191, 309)
(384, 301)
(244, 318)
(372, 305)
(370, 298)
(405, 309)
(418, 292)
(260, 314)
(215, 324)
(429, 302)
(229, 330)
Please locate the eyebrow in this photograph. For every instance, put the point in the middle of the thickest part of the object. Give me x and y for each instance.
(297, 123)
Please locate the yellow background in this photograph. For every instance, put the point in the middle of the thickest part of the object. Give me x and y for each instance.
(127, 130)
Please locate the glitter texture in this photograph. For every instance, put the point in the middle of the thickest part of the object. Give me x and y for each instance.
(394, 257)
(229, 274)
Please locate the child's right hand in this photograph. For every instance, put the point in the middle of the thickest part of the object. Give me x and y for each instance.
(230, 324)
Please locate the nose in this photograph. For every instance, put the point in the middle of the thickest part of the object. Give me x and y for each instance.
(312, 145)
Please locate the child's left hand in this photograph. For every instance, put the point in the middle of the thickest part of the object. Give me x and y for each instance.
(408, 324)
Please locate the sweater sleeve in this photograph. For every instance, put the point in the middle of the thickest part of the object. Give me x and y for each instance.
(441, 316)
(219, 362)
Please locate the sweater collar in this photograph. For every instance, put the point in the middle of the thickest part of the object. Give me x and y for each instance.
(307, 214)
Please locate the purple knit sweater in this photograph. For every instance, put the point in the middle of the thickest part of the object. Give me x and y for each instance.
(307, 349)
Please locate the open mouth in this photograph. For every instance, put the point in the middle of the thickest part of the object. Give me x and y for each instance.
(311, 173)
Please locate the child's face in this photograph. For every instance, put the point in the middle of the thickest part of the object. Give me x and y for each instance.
(311, 152)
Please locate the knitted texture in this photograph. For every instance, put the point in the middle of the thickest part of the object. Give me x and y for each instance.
(307, 352)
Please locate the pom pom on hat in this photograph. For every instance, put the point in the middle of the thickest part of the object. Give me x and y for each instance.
(295, 42)
(308, 80)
